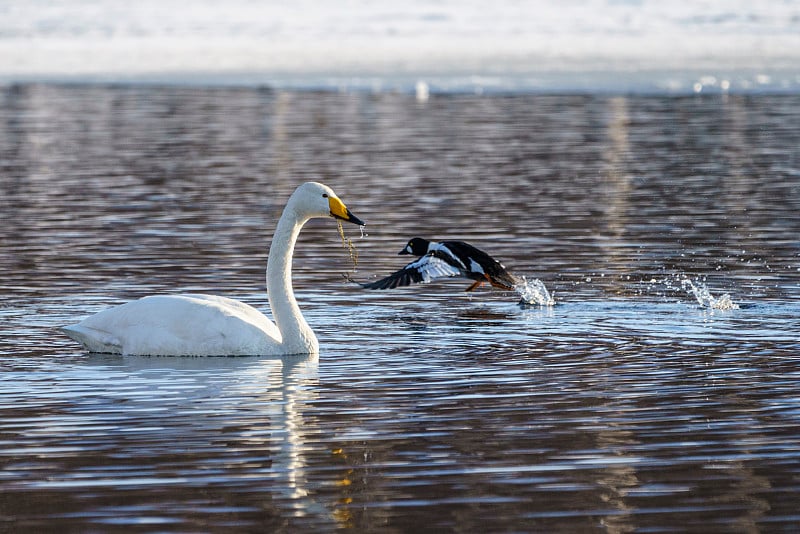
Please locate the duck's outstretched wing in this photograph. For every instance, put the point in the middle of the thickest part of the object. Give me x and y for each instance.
(479, 263)
(424, 269)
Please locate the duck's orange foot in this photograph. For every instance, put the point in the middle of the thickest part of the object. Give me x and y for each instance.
(475, 286)
(499, 285)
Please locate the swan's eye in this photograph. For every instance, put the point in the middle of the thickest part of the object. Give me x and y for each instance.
(324, 195)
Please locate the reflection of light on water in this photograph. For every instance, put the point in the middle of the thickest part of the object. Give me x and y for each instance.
(534, 293)
(422, 91)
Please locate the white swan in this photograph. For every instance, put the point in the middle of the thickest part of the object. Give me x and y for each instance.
(207, 325)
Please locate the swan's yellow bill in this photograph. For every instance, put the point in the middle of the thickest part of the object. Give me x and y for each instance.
(340, 211)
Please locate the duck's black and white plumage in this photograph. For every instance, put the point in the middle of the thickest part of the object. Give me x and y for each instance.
(447, 259)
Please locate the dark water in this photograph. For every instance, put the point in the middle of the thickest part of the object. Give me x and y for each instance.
(627, 406)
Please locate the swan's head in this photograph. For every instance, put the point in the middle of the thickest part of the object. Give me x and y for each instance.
(314, 199)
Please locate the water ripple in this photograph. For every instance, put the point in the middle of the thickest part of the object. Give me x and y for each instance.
(634, 403)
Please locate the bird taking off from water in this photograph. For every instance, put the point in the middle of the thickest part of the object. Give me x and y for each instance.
(447, 259)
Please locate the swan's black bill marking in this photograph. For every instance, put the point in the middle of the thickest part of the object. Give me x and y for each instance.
(349, 218)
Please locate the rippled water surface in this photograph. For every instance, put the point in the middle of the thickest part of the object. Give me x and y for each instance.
(633, 403)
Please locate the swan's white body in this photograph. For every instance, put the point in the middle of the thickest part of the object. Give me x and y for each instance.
(207, 325)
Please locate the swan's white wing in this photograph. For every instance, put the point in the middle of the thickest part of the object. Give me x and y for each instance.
(199, 325)
(424, 270)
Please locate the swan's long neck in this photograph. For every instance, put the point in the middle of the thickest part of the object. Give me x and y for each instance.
(296, 335)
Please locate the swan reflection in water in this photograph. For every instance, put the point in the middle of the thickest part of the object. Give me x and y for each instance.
(257, 419)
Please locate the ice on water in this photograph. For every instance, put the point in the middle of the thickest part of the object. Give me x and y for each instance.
(693, 46)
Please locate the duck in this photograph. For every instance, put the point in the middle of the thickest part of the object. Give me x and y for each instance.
(446, 259)
(210, 325)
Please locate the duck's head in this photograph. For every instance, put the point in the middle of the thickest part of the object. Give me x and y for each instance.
(417, 247)
(314, 199)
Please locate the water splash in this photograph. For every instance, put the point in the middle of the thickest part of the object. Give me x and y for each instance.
(699, 290)
(534, 293)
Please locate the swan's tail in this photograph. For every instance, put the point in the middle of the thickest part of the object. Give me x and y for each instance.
(93, 340)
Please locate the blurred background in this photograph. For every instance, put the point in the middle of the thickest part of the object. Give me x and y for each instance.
(612, 45)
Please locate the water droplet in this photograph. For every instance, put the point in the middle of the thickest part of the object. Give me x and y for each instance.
(348, 244)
